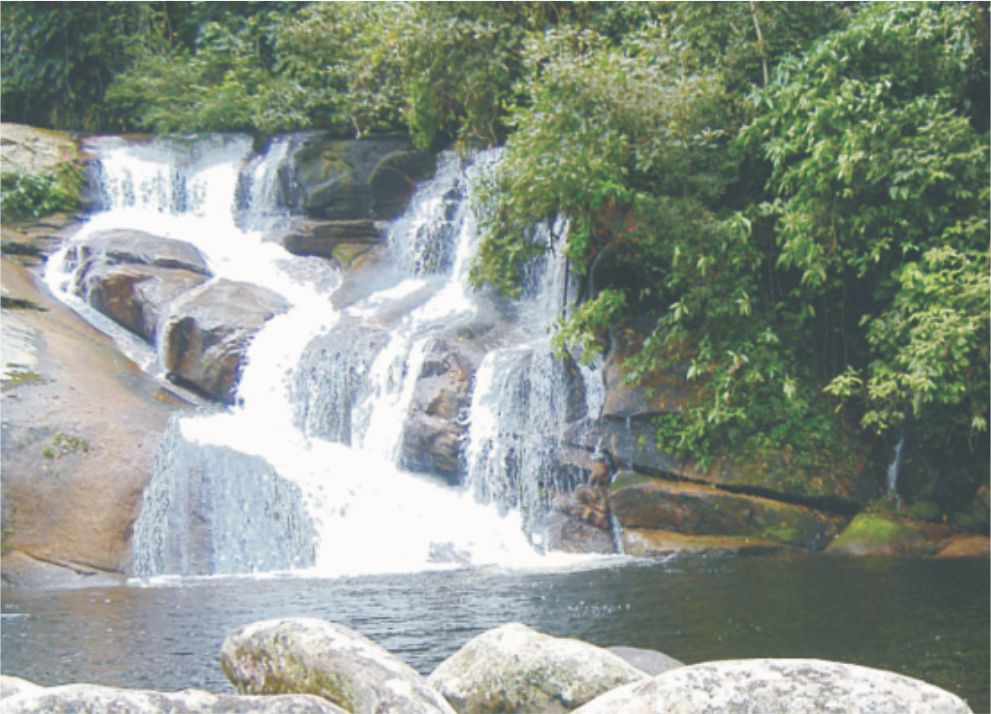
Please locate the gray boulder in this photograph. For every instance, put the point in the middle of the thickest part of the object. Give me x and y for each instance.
(22, 697)
(516, 669)
(344, 179)
(777, 686)
(650, 661)
(345, 242)
(209, 331)
(328, 660)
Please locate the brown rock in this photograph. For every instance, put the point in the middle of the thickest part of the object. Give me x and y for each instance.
(209, 332)
(643, 543)
(966, 546)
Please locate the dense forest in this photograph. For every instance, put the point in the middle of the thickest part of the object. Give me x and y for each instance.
(790, 200)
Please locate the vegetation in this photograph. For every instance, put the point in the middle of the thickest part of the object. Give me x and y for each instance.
(30, 195)
(791, 199)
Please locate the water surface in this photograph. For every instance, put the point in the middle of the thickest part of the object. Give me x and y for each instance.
(923, 618)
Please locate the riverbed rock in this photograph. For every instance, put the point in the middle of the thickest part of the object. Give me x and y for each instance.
(516, 669)
(72, 698)
(650, 661)
(701, 510)
(322, 658)
(879, 534)
(650, 543)
(347, 179)
(208, 334)
(29, 149)
(777, 686)
(966, 546)
(345, 242)
(81, 424)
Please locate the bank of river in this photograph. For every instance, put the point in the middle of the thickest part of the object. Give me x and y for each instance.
(924, 618)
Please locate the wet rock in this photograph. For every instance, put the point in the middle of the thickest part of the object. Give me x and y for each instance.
(570, 534)
(516, 669)
(208, 333)
(646, 543)
(695, 509)
(434, 428)
(71, 698)
(328, 660)
(782, 686)
(136, 297)
(650, 661)
(22, 572)
(966, 546)
(133, 247)
(344, 242)
(28, 149)
(877, 534)
(344, 179)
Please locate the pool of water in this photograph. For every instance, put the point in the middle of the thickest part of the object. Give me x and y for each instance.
(923, 618)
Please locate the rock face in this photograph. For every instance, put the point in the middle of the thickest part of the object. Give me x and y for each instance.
(81, 425)
(328, 660)
(209, 331)
(693, 509)
(516, 669)
(28, 149)
(343, 179)
(19, 696)
(778, 686)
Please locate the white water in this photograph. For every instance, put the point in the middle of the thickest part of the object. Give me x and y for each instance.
(302, 475)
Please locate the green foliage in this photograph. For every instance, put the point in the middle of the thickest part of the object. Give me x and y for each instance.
(31, 195)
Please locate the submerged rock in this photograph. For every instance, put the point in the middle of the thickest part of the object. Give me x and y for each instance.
(778, 686)
(516, 669)
(695, 509)
(19, 696)
(209, 331)
(328, 660)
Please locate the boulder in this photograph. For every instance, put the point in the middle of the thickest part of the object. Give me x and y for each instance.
(136, 248)
(317, 657)
(567, 533)
(70, 698)
(966, 546)
(650, 661)
(28, 149)
(14, 686)
(697, 509)
(516, 669)
(777, 686)
(878, 534)
(208, 334)
(136, 296)
(345, 179)
(344, 242)
(646, 543)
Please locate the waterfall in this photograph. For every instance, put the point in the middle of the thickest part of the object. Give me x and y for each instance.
(895, 467)
(311, 470)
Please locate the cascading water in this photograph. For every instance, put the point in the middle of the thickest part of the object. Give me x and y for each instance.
(302, 474)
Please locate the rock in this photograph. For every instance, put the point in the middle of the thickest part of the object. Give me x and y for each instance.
(516, 669)
(695, 509)
(569, 534)
(13, 686)
(434, 430)
(72, 698)
(317, 657)
(777, 686)
(966, 546)
(645, 543)
(136, 297)
(137, 248)
(650, 661)
(345, 179)
(81, 424)
(208, 333)
(28, 149)
(23, 572)
(876, 534)
(344, 242)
